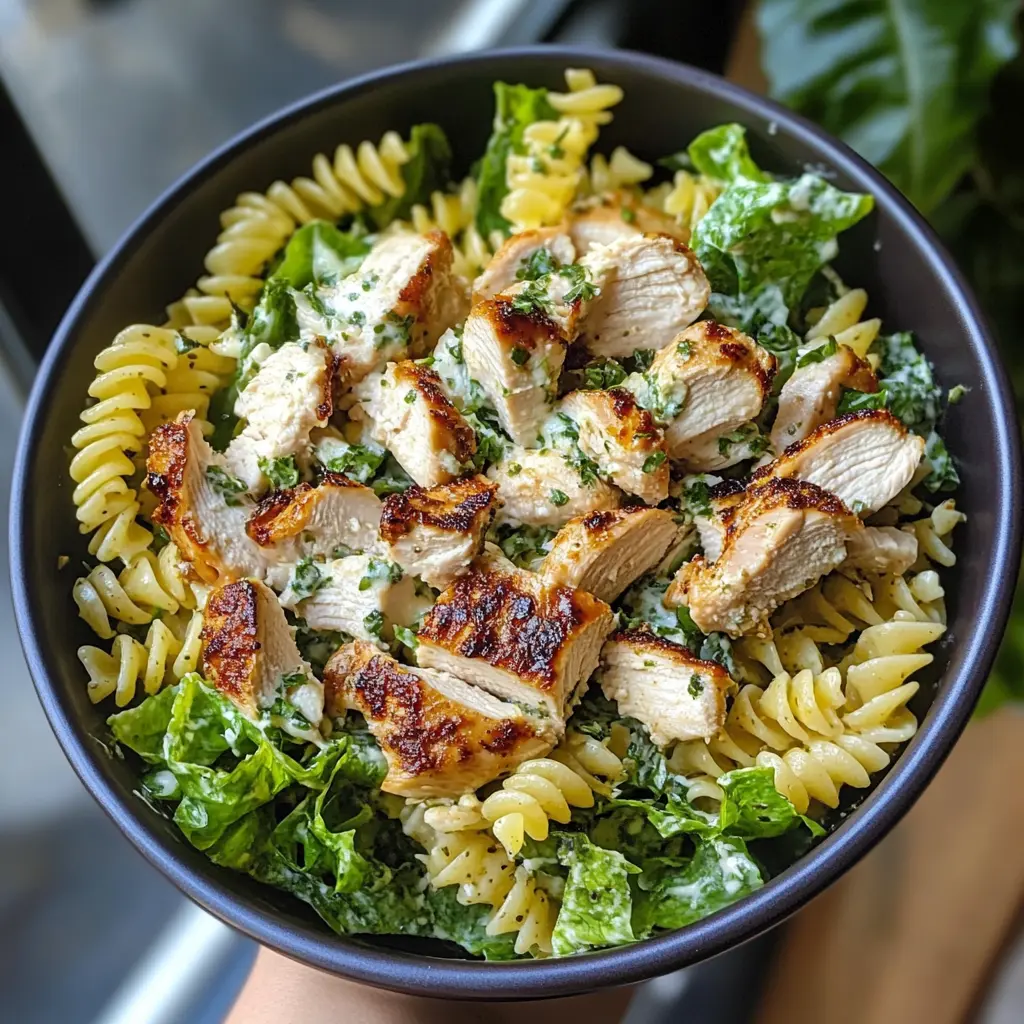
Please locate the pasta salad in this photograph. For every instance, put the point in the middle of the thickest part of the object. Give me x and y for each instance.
(527, 562)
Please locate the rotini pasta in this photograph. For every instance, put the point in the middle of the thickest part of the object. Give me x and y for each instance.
(476, 863)
(842, 320)
(688, 198)
(544, 180)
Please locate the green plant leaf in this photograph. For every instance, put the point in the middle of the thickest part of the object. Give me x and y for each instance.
(904, 82)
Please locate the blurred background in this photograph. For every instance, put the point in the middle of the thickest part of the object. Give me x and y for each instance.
(103, 103)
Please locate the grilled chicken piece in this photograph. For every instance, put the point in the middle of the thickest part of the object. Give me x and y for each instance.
(604, 552)
(202, 507)
(538, 487)
(622, 439)
(809, 398)
(288, 397)
(783, 538)
(864, 458)
(880, 549)
(397, 304)
(724, 499)
(249, 653)
(517, 637)
(223, 536)
(660, 683)
(651, 287)
(407, 411)
(440, 736)
(435, 534)
(514, 345)
(606, 218)
(710, 380)
(317, 522)
(514, 256)
(361, 595)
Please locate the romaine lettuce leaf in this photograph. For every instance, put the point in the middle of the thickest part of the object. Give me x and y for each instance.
(427, 170)
(319, 254)
(761, 242)
(596, 903)
(722, 153)
(754, 809)
(516, 106)
(673, 892)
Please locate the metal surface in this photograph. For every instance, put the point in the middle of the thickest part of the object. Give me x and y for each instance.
(910, 256)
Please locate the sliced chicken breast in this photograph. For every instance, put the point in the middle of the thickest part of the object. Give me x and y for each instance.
(399, 302)
(785, 536)
(202, 507)
(603, 219)
(441, 737)
(290, 396)
(651, 287)
(514, 345)
(660, 683)
(249, 653)
(605, 552)
(517, 256)
(336, 517)
(517, 637)
(708, 382)
(809, 398)
(538, 487)
(406, 410)
(864, 458)
(223, 536)
(622, 439)
(880, 549)
(361, 595)
(712, 528)
(435, 534)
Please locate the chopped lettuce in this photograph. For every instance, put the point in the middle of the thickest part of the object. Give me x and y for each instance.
(722, 153)
(319, 254)
(762, 240)
(427, 170)
(516, 106)
(673, 892)
(596, 902)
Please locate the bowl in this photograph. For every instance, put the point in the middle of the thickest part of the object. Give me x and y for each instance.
(893, 254)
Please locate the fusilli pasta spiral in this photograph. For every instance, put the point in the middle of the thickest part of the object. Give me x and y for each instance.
(842, 320)
(131, 370)
(477, 864)
(544, 180)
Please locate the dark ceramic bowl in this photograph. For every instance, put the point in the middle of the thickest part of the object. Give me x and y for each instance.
(893, 254)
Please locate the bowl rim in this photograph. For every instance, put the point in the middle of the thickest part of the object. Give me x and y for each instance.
(781, 896)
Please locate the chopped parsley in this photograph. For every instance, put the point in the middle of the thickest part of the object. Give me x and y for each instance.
(559, 498)
(374, 623)
(696, 685)
(538, 264)
(580, 285)
(756, 443)
(653, 461)
(307, 578)
(819, 354)
(602, 374)
(406, 637)
(410, 397)
(683, 349)
(281, 473)
(532, 299)
(226, 485)
(514, 469)
(520, 355)
(380, 570)
(628, 215)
